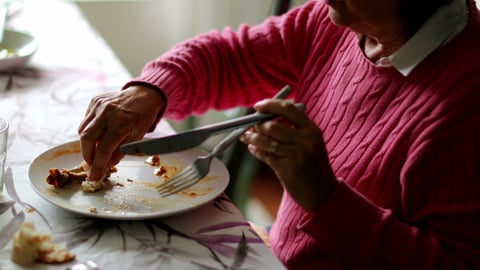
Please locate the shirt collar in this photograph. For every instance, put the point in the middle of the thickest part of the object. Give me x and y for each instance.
(443, 25)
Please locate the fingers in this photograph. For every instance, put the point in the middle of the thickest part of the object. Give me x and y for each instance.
(88, 142)
(280, 139)
(272, 137)
(285, 109)
(113, 119)
(105, 153)
(278, 130)
(88, 139)
(262, 143)
(293, 147)
(98, 146)
(90, 112)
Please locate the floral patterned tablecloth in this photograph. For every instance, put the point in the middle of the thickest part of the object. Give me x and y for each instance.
(44, 103)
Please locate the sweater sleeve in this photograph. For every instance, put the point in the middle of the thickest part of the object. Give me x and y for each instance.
(221, 70)
(440, 187)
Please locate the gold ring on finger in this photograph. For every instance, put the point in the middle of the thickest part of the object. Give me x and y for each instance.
(272, 147)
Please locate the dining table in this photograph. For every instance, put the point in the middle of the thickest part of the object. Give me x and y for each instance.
(44, 102)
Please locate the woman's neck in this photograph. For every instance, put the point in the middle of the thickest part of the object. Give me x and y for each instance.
(375, 48)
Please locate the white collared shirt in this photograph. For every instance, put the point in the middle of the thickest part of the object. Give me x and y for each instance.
(443, 25)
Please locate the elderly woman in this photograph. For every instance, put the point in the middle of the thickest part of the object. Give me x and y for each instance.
(382, 170)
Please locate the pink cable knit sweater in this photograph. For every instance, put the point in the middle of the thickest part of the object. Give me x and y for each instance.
(408, 148)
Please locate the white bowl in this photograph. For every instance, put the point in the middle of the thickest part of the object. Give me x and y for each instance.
(20, 47)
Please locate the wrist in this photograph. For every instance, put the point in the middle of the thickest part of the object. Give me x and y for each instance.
(151, 96)
(151, 91)
(321, 195)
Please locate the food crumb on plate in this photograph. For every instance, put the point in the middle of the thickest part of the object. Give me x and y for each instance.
(153, 160)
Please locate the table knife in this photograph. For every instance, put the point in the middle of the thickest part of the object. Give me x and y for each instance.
(194, 137)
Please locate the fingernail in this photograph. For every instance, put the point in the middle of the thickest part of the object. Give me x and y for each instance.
(259, 103)
(252, 148)
(243, 137)
(92, 176)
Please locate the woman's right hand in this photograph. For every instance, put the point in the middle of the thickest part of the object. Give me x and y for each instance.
(113, 119)
(293, 147)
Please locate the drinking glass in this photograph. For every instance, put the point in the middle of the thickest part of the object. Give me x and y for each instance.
(3, 148)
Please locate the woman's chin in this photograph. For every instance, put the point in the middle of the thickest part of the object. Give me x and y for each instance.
(336, 17)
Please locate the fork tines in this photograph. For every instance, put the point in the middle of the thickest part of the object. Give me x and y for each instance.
(179, 182)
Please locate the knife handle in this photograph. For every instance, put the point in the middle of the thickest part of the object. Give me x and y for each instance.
(247, 120)
(236, 133)
(282, 94)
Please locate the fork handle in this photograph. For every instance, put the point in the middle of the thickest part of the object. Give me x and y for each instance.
(227, 141)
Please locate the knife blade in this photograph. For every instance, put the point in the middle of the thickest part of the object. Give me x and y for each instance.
(194, 137)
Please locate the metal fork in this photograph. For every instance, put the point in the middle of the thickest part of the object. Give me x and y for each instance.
(195, 172)
(201, 166)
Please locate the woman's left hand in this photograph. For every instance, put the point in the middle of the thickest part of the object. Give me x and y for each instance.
(292, 145)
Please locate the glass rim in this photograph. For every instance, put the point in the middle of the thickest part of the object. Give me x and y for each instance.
(3, 125)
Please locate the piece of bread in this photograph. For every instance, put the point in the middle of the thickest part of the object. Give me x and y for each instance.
(29, 247)
(93, 186)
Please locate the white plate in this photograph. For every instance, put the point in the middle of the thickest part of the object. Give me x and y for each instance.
(132, 195)
(22, 45)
